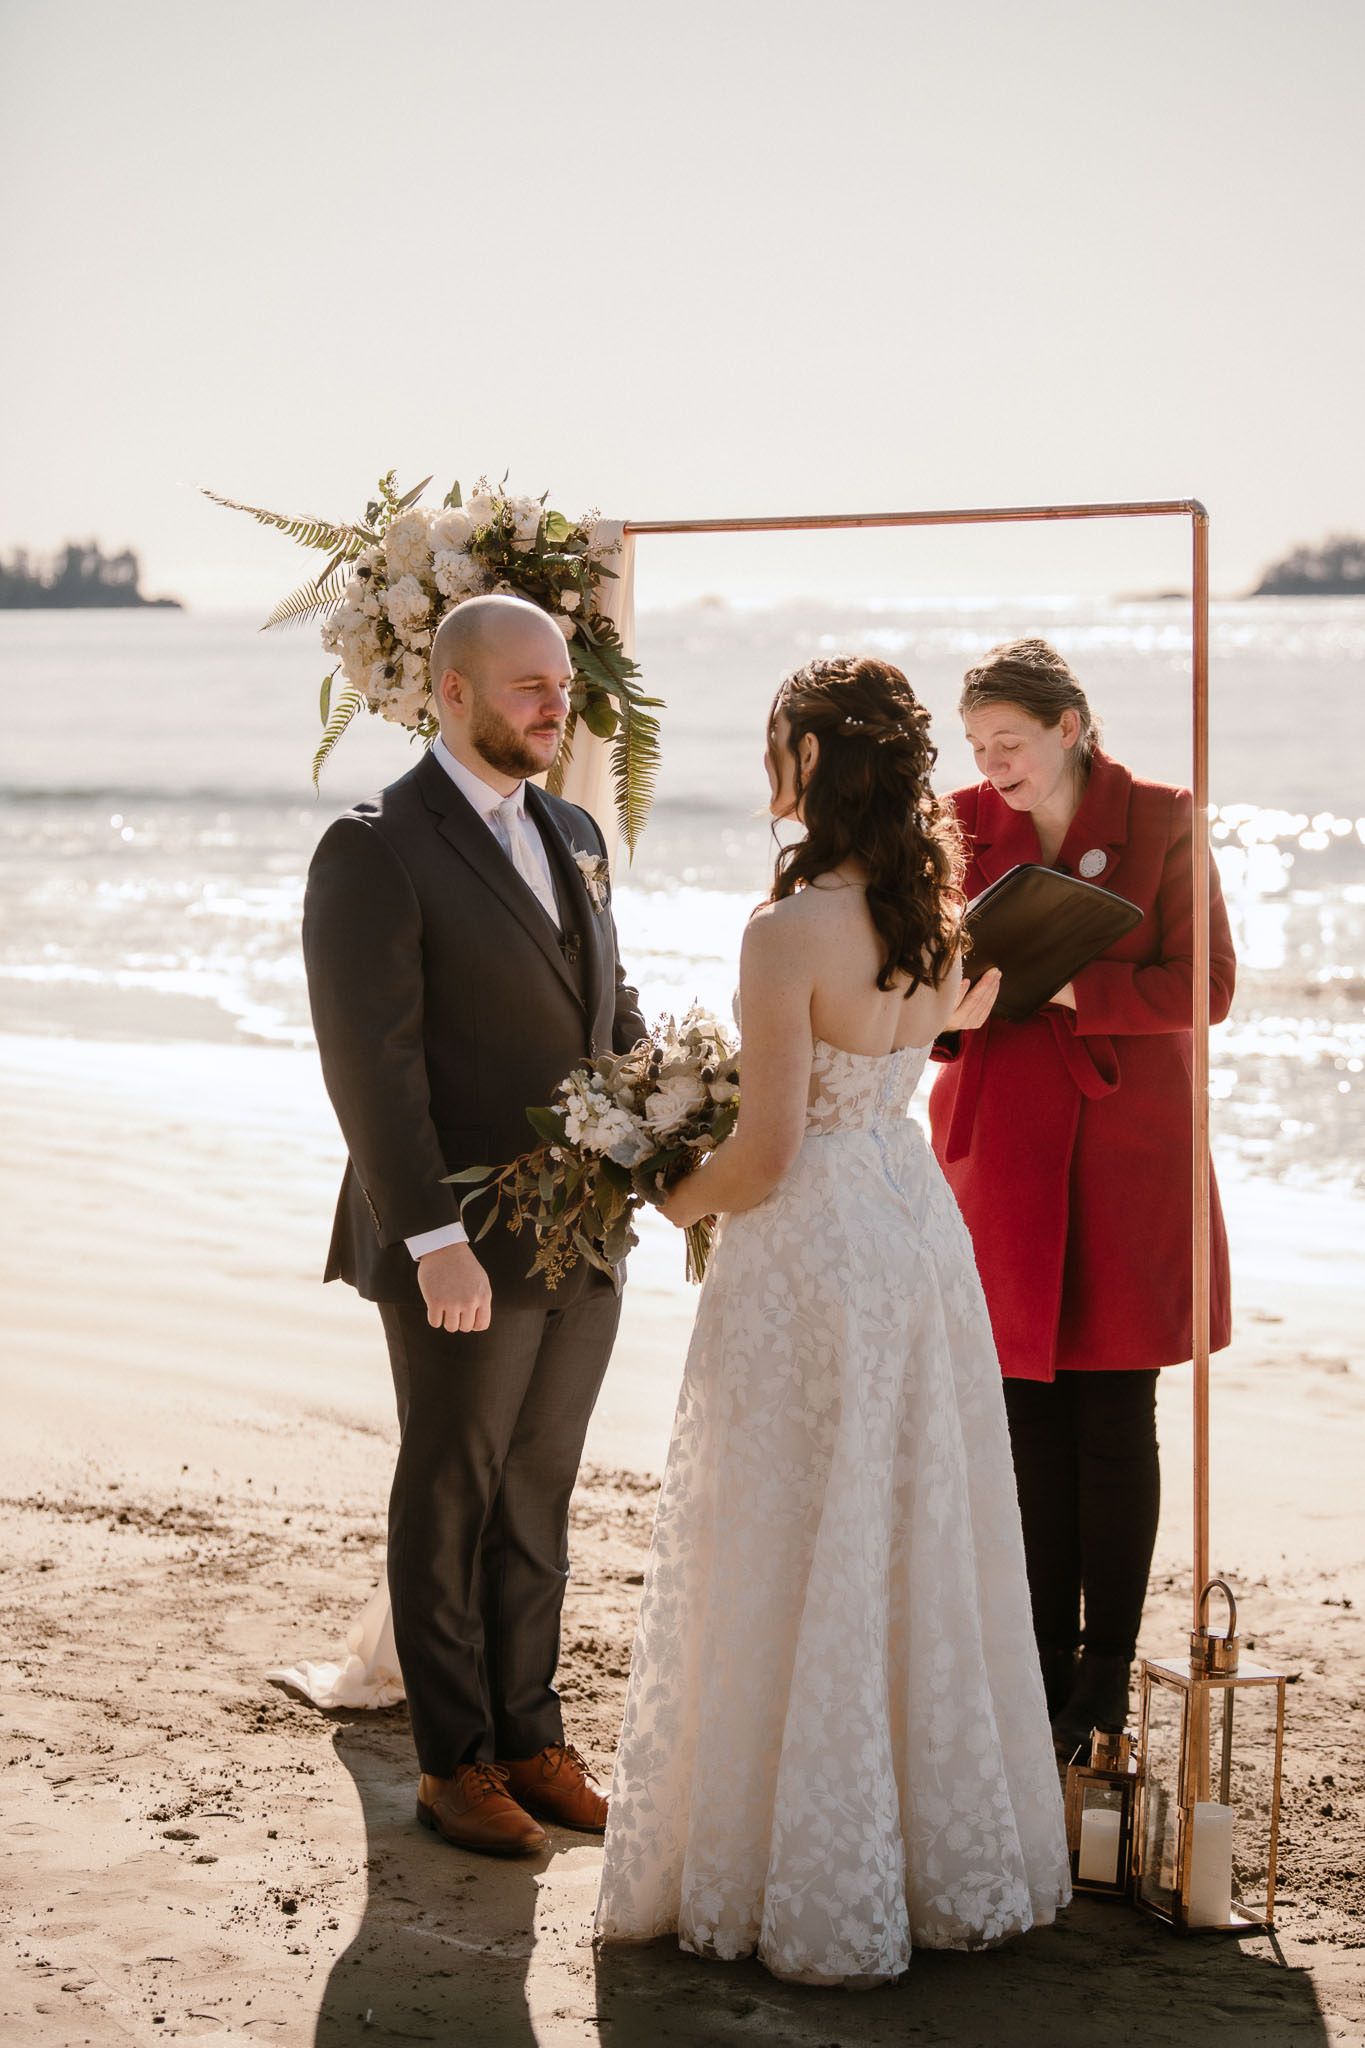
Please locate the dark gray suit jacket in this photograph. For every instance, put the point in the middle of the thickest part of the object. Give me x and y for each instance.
(444, 1007)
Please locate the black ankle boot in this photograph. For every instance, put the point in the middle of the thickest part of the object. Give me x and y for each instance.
(1099, 1699)
(1059, 1676)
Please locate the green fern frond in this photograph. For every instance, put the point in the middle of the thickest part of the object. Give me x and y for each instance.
(321, 594)
(342, 712)
(634, 771)
(308, 532)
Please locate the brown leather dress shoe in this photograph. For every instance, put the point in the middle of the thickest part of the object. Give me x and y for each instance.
(472, 1810)
(558, 1786)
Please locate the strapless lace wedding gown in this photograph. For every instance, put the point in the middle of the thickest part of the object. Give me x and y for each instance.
(835, 1744)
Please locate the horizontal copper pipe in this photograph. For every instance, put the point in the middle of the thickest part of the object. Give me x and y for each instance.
(1153, 508)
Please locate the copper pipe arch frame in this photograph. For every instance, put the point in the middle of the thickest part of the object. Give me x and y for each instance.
(1152, 508)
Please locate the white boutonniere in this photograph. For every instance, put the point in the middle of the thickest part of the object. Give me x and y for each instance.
(593, 869)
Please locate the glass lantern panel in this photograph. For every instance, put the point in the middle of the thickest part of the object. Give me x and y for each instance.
(1160, 1845)
(1243, 1773)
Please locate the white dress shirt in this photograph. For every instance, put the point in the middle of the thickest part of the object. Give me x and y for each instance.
(486, 801)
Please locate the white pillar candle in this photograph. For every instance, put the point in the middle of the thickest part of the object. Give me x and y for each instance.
(1210, 1865)
(1098, 1860)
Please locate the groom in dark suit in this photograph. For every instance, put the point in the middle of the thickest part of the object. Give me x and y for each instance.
(461, 961)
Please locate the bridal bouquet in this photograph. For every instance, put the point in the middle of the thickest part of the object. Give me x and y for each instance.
(618, 1134)
(391, 577)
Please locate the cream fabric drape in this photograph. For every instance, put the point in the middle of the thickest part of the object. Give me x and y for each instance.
(588, 781)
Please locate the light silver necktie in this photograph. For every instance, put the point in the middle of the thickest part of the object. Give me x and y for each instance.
(511, 831)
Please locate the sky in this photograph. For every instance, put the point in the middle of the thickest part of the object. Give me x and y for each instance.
(754, 257)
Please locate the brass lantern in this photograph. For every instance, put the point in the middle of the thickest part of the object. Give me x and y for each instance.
(1211, 1737)
(1101, 1801)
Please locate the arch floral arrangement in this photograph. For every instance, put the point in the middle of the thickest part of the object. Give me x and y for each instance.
(390, 579)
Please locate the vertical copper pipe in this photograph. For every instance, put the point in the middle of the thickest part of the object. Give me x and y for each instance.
(1199, 855)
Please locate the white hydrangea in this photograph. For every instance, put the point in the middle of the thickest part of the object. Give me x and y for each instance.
(459, 575)
(526, 516)
(451, 530)
(407, 545)
(409, 606)
(405, 707)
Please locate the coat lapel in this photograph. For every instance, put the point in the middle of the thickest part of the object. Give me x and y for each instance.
(1100, 826)
(461, 826)
(561, 850)
(1001, 838)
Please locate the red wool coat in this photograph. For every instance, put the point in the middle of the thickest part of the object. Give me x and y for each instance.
(1067, 1138)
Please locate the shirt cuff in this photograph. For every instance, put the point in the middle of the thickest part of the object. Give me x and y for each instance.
(436, 1240)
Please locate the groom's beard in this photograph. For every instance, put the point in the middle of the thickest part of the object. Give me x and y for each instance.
(502, 746)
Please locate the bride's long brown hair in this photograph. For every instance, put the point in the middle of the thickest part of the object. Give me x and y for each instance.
(868, 799)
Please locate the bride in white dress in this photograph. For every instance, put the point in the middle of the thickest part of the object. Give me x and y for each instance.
(835, 1743)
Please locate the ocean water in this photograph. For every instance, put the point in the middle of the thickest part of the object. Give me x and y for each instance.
(156, 818)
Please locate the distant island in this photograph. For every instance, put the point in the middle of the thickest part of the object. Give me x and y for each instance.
(1334, 569)
(80, 577)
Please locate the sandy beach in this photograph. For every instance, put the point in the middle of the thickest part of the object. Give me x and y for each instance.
(194, 1468)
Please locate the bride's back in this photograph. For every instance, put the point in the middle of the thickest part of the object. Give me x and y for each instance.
(829, 924)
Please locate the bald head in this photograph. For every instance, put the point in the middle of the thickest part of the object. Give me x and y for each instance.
(500, 680)
(483, 626)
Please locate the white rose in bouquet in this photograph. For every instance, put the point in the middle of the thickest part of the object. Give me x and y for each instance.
(569, 600)
(673, 1102)
(480, 509)
(459, 575)
(451, 530)
(407, 546)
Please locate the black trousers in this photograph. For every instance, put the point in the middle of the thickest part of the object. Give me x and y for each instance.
(1085, 1459)
(492, 1427)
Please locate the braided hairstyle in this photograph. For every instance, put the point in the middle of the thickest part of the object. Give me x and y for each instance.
(868, 799)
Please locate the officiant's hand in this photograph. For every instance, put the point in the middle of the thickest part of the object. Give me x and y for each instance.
(975, 1004)
(455, 1289)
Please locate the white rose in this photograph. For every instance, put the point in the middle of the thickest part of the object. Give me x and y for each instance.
(451, 531)
(459, 575)
(414, 671)
(569, 600)
(407, 548)
(480, 509)
(673, 1101)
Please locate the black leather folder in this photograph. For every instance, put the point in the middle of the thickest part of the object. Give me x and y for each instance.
(1039, 928)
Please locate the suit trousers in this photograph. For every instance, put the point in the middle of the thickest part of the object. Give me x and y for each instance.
(492, 1425)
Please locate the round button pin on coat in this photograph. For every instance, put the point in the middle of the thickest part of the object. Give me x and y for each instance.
(1093, 863)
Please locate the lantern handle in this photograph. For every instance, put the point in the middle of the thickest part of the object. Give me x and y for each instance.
(1225, 1589)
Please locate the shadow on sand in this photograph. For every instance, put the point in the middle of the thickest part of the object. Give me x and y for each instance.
(1103, 1975)
(446, 1946)
(442, 1952)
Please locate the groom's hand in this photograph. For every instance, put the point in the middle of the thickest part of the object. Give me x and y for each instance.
(455, 1289)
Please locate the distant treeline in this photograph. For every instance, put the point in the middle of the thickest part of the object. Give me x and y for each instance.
(1334, 569)
(80, 576)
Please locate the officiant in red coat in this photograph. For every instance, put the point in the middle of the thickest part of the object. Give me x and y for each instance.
(1066, 1139)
